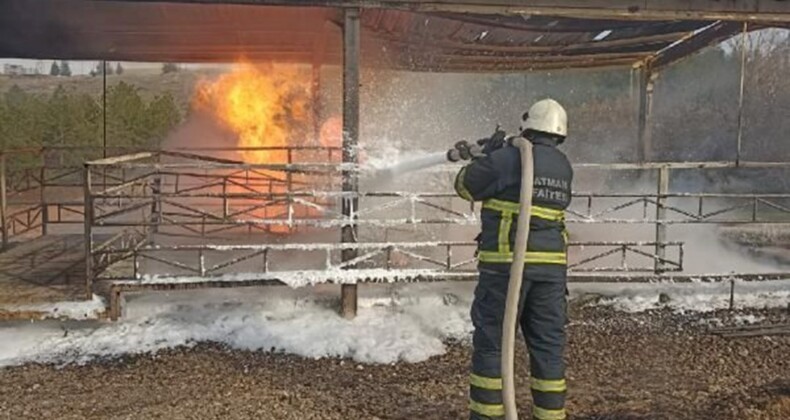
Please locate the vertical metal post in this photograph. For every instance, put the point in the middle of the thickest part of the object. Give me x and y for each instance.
(3, 203)
(661, 214)
(740, 95)
(646, 82)
(43, 199)
(88, 200)
(350, 143)
(156, 204)
(104, 108)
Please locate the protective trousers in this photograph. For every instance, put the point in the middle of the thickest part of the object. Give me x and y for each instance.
(542, 319)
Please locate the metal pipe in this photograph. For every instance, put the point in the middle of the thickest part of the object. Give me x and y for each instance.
(348, 234)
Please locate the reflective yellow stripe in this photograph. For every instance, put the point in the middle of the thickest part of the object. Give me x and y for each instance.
(485, 383)
(488, 410)
(501, 205)
(531, 257)
(547, 385)
(460, 188)
(547, 213)
(553, 215)
(504, 232)
(546, 414)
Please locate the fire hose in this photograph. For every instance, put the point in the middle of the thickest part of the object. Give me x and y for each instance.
(516, 276)
(516, 267)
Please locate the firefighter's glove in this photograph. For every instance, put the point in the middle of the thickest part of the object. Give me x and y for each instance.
(463, 150)
(496, 141)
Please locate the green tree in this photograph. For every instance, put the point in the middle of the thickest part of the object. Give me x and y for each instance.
(118, 69)
(169, 68)
(65, 69)
(162, 116)
(55, 69)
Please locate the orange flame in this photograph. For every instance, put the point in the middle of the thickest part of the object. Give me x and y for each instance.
(269, 106)
(266, 106)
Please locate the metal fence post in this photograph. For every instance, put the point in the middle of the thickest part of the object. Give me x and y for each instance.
(43, 199)
(661, 214)
(348, 233)
(3, 203)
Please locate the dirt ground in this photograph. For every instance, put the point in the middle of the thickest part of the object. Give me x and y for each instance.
(621, 366)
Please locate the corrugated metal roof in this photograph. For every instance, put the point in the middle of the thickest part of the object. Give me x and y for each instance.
(201, 32)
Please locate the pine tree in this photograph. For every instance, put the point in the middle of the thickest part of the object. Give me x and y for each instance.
(118, 69)
(54, 70)
(65, 69)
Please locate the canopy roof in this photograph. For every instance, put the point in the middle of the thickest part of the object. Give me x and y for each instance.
(462, 35)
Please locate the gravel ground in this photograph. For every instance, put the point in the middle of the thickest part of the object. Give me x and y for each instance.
(654, 365)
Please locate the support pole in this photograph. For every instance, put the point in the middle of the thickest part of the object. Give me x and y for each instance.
(104, 108)
(88, 199)
(646, 81)
(43, 198)
(661, 214)
(740, 95)
(350, 143)
(3, 203)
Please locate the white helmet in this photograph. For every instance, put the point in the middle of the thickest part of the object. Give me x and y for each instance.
(546, 116)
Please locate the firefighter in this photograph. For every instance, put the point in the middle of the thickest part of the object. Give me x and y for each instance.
(494, 177)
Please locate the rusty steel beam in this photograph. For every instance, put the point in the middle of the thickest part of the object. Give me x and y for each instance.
(649, 10)
(694, 43)
(350, 206)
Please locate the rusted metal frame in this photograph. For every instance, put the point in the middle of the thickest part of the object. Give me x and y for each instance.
(251, 209)
(384, 206)
(191, 209)
(419, 257)
(116, 160)
(466, 66)
(715, 33)
(168, 262)
(108, 192)
(309, 204)
(625, 249)
(538, 58)
(98, 218)
(233, 261)
(660, 259)
(609, 210)
(770, 204)
(439, 207)
(462, 263)
(346, 265)
(203, 158)
(561, 26)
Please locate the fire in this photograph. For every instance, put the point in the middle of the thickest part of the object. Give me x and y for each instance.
(267, 106)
